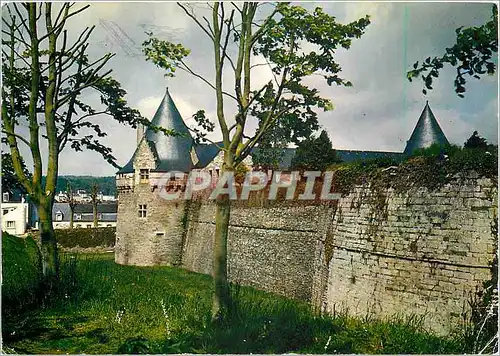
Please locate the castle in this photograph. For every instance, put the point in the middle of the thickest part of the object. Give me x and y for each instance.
(377, 252)
(147, 223)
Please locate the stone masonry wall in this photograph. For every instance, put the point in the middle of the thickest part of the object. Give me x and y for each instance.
(154, 240)
(269, 248)
(417, 253)
(377, 251)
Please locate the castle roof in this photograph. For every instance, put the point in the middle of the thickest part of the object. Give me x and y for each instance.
(426, 132)
(173, 153)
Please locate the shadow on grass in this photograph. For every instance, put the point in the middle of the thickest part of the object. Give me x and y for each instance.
(261, 324)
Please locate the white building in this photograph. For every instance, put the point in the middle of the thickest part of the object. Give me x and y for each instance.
(83, 216)
(15, 216)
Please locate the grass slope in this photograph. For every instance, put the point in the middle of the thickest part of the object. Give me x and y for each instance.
(107, 308)
(20, 272)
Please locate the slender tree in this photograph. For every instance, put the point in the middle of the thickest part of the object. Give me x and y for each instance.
(70, 197)
(46, 79)
(94, 194)
(296, 44)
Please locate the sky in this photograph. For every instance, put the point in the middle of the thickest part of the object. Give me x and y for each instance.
(378, 113)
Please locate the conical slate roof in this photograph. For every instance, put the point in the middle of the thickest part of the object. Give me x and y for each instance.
(426, 132)
(173, 153)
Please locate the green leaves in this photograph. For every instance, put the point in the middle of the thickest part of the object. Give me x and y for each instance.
(315, 153)
(285, 42)
(10, 182)
(204, 126)
(164, 54)
(472, 55)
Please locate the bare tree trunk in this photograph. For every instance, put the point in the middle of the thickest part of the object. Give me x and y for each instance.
(221, 296)
(94, 192)
(50, 261)
(71, 217)
(94, 212)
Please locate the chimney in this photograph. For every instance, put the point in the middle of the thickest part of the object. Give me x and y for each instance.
(140, 133)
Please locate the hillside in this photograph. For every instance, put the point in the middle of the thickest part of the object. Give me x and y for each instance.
(107, 185)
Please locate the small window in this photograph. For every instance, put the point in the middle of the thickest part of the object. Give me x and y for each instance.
(89, 226)
(144, 175)
(11, 224)
(5, 197)
(99, 216)
(142, 210)
(109, 225)
(59, 216)
(78, 216)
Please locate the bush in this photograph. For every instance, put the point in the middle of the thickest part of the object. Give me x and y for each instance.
(21, 272)
(431, 168)
(93, 237)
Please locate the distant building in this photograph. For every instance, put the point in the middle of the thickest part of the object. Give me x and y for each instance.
(427, 132)
(81, 196)
(83, 215)
(18, 215)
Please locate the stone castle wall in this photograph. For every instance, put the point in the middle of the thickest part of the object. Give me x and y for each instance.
(422, 252)
(269, 248)
(154, 240)
(381, 252)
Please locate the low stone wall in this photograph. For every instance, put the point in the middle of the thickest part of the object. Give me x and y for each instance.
(376, 252)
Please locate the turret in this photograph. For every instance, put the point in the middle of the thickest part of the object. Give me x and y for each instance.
(426, 132)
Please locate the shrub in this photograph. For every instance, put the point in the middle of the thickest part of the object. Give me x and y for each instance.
(93, 237)
(21, 272)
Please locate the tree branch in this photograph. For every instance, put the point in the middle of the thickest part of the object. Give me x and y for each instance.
(193, 17)
(187, 69)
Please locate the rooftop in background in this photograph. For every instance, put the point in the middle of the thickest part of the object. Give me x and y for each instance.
(106, 212)
(426, 132)
(173, 153)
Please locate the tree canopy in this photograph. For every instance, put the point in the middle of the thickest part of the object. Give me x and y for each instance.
(476, 141)
(315, 154)
(10, 181)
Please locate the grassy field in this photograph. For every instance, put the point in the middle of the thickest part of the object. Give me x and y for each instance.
(102, 308)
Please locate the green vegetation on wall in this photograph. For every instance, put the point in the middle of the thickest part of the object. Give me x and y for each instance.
(431, 168)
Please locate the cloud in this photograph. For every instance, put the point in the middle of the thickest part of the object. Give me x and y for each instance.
(378, 113)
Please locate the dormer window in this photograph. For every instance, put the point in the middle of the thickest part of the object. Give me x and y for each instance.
(5, 197)
(59, 216)
(78, 216)
(144, 175)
